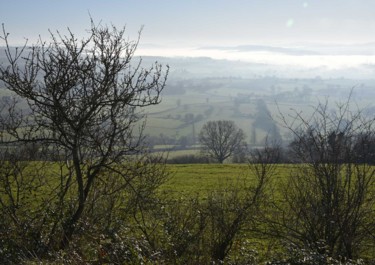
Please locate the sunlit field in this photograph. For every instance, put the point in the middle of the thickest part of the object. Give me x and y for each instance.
(201, 179)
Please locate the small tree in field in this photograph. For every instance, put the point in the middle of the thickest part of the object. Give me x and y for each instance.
(221, 139)
(83, 101)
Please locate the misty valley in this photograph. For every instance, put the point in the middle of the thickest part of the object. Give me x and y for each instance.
(252, 95)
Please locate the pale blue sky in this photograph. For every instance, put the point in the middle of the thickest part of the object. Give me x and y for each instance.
(177, 24)
(204, 22)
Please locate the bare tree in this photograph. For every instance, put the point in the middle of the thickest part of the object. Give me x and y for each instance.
(84, 99)
(329, 198)
(221, 139)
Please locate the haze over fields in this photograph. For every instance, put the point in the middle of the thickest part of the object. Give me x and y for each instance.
(334, 33)
(239, 60)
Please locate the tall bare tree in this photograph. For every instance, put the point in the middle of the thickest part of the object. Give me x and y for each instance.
(221, 139)
(84, 99)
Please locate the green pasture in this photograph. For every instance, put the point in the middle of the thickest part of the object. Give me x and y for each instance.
(201, 179)
(185, 180)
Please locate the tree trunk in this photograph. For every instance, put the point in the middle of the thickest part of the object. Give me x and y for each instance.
(70, 225)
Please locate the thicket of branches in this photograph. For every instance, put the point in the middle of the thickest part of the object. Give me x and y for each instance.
(78, 103)
(327, 201)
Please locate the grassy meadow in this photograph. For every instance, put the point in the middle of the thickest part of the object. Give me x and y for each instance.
(201, 179)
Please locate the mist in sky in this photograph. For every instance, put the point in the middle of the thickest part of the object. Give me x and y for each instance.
(310, 32)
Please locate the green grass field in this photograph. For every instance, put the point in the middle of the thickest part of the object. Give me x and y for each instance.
(200, 179)
(193, 179)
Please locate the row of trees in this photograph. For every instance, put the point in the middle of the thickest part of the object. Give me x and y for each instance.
(222, 139)
(77, 185)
